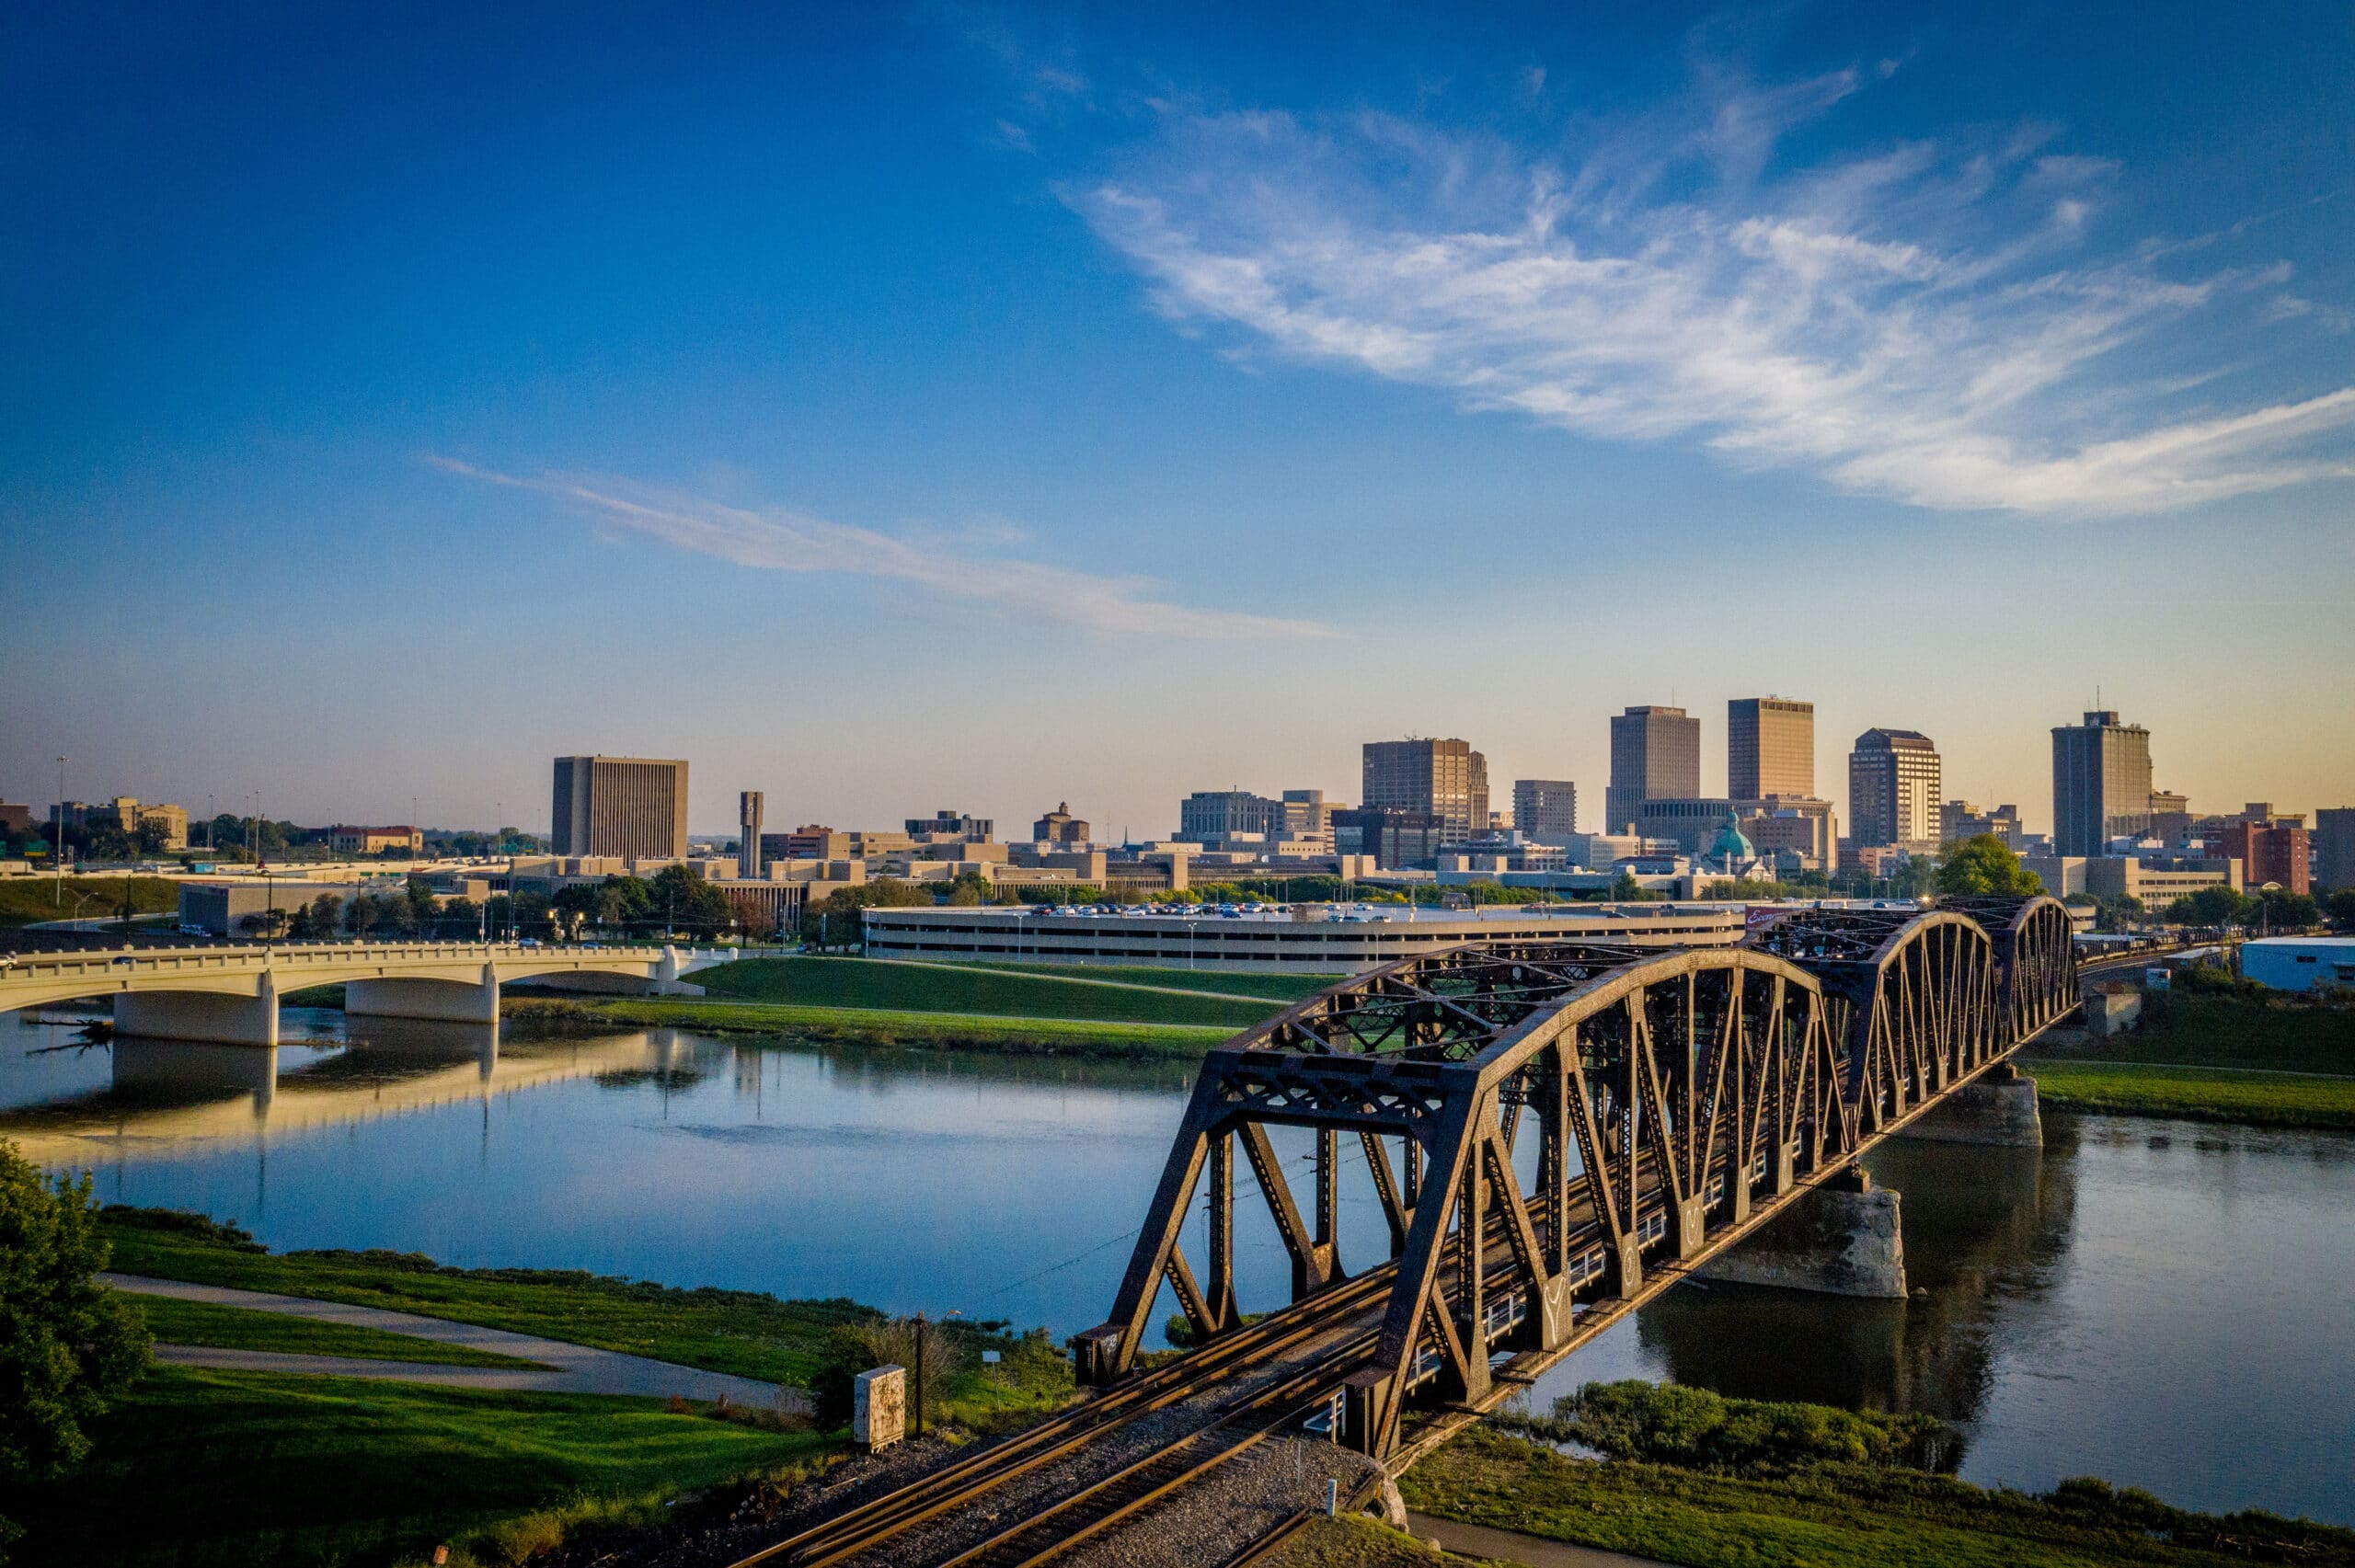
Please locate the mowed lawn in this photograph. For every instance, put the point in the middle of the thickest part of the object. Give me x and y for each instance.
(2213, 1059)
(198, 1469)
(925, 988)
(175, 1321)
(1275, 988)
(743, 1332)
(30, 900)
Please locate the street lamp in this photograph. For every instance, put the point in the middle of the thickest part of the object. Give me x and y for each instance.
(57, 847)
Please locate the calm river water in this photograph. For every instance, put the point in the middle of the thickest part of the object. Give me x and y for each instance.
(2166, 1305)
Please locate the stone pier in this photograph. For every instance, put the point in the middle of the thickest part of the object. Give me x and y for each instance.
(211, 1017)
(1843, 1239)
(1999, 1109)
(446, 1002)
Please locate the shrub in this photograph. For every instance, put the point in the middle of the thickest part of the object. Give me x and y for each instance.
(1669, 1424)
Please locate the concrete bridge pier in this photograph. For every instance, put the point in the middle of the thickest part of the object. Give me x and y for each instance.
(208, 1016)
(447, 1001)
(1843, 1239)
(1999, 1109)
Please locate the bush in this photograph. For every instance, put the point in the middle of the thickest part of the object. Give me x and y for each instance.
(67, 1343)
(202, 1228)
(1669, 1424)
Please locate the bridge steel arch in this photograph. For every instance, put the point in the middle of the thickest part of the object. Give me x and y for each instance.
(1678, 1099)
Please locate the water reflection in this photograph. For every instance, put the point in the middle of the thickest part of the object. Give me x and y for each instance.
(2159, 1304)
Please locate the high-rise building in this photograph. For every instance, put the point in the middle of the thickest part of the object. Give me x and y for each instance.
(1308, 817)
(2273, 851)
(2333, 848)
(945, 824)
(1059, 827)
(635, 808)
(748, 828)
(1397, 841)
(1445, 779)
(1894, 780)
(1545, 810)
(1769, 747)
(1214, 816)
(2101, 783)
(1655, 754)
(2170, 815)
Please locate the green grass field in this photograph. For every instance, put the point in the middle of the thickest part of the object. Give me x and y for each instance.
(1275, 988)
(1836, 1514)
(849, 1025)
(2193, 1093)
(725, 1331)
(241, 1328)
(229, 1470)
(2212, 1058)
(30, 900)
(926, 988)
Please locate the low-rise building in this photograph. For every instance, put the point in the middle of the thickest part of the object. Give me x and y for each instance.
(2300, 963)
(222, 909)
(1059, 827)
(2157, 882)
(346, 839)
(1960, 822)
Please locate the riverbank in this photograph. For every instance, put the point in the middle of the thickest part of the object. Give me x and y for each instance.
(864, 1026)
(2264, 1062)
(1822, 1512)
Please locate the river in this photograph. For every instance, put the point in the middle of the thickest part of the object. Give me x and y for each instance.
(2162, 1304)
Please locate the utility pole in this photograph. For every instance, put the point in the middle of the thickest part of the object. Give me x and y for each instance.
(57, 844)
(919, 1373)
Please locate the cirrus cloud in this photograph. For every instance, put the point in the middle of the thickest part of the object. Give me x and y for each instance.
(779, 539)
(1920, 323)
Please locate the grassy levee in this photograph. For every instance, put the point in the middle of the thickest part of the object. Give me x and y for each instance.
(175, 1321)
(2194, 1093)
(1275, 988)
(1889, 1517)
(198, 1469)
(1353, 1541)
(927, 987)
(30, 900)
(2212, 1058)
(852, 1025)
(743, 1332)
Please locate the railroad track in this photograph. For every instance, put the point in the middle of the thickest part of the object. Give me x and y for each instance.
(964, 1480)
(1136, 1487)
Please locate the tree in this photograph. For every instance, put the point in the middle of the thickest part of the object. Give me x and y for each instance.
(2210, 906)
(1625, 889)
(2341, 905)
(688, 904)
(68, 1344)
(152, 838)
(1985, 866)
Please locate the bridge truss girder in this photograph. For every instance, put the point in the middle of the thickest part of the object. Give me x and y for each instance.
(1674, 1095)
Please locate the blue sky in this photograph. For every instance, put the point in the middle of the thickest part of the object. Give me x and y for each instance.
(985, 407)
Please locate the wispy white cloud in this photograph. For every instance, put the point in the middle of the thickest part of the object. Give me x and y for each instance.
(775, 539)
(1923, 323)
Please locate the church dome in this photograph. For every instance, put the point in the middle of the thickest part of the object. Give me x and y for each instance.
(1729, 845)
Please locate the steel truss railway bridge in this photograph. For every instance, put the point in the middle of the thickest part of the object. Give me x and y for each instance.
(1680, 1100)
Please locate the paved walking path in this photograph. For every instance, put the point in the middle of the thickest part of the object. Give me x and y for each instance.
(573, 1369)
(1511, 1546)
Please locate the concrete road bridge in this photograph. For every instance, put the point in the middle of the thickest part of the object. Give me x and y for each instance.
(230, 994)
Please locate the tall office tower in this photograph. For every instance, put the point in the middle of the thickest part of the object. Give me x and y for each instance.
(1545, 811)
(1445, 779)
(2333, 848)
(1894, 783)
(1308, 816)
(1769, 747)
(2101, 783)
(1655, 755)
(635, 808)
(748, 827)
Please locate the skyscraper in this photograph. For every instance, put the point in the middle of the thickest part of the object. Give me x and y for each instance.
(2101, 783)
(1769, 747)
(1445, 779)
(748, 827)
(1655, 753)
(2334, 846)
(1894, 787)
(635, 808)
(1545, 810)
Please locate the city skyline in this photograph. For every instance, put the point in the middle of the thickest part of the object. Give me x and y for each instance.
(505, 418)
